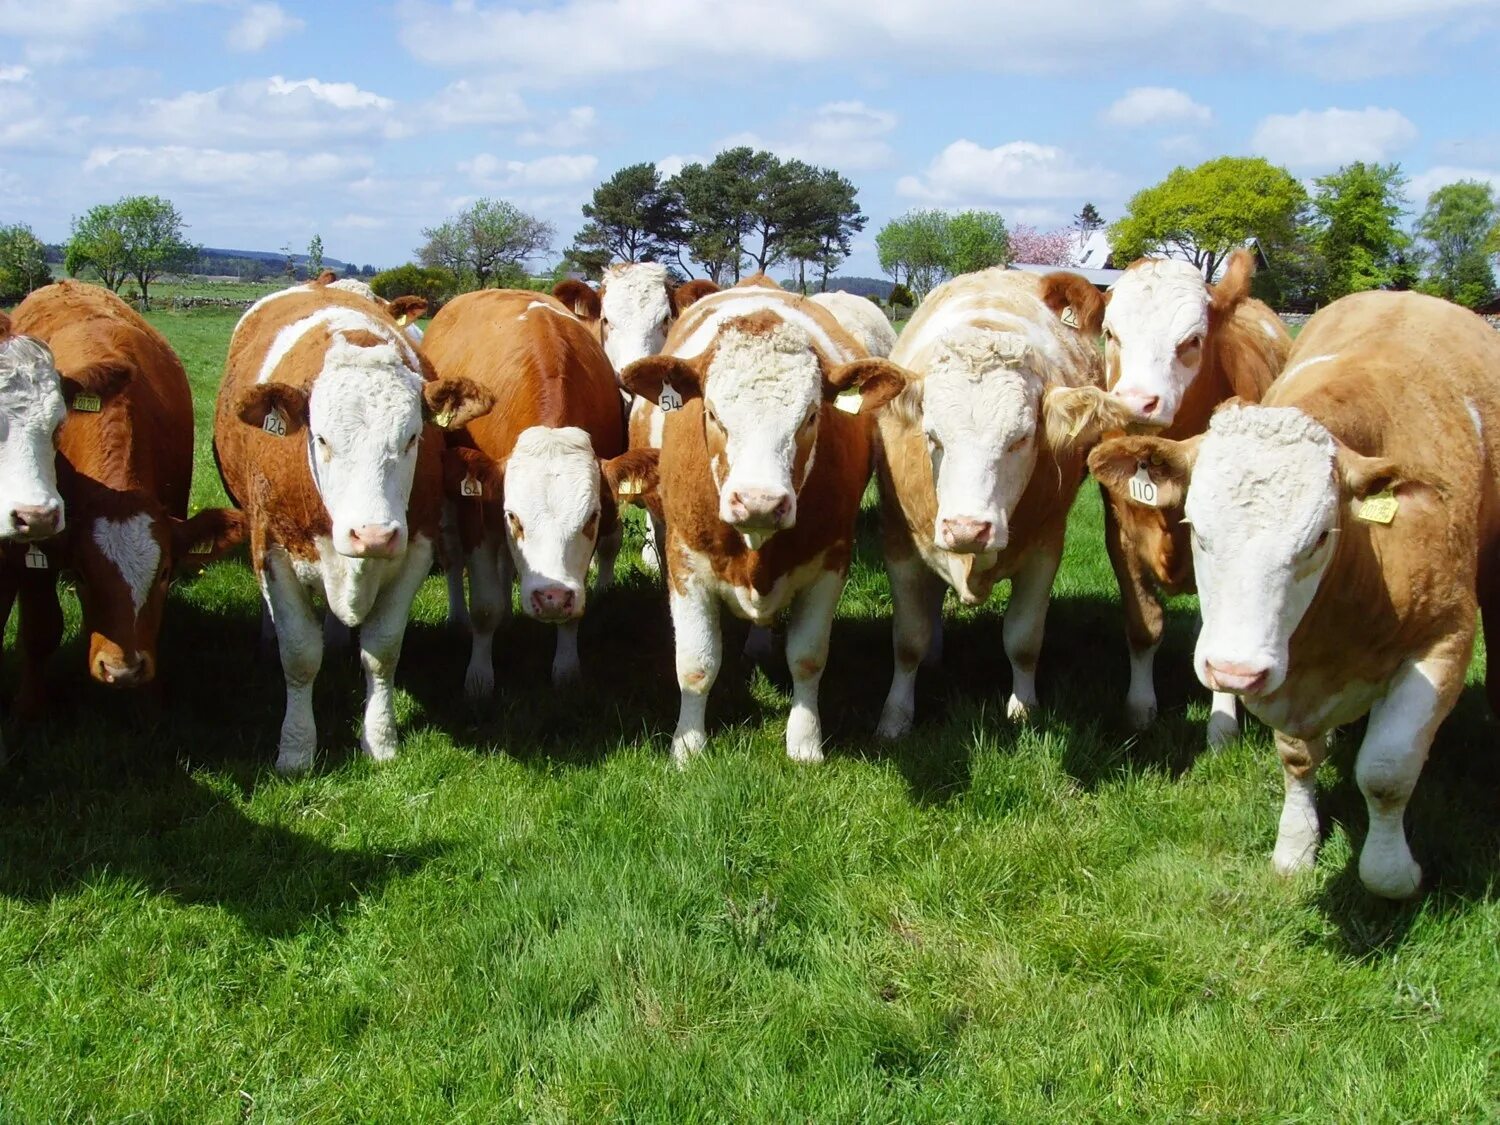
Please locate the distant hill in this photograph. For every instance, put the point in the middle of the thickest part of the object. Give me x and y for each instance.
(861, 286)
(254, 265)
(273, 256)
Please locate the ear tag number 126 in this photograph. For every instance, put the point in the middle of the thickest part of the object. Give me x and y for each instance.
(1143, 489)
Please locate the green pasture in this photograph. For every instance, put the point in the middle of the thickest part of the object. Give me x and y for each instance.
(532, 916)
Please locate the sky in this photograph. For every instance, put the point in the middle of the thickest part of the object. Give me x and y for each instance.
(365, 121)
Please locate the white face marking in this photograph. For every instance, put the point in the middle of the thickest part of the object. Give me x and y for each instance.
(31, 410)
(1155, 310)
(1302, 364)
(1264, 508)
(636, 310)
(731, 303)
(338, 320)
(552, 510)
(132, 549)
(365, 422)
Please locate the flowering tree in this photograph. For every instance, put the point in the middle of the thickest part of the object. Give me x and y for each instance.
(1042, 248)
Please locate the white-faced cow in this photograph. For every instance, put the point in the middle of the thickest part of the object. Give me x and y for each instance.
(972, 488)
(322, 438)
(1345, 532)
(32, 409)
(862, 319)
(760, 481)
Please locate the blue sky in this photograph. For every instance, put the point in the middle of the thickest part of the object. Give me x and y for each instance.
(366, 121)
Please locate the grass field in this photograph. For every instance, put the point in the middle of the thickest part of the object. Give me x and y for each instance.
(531, 915)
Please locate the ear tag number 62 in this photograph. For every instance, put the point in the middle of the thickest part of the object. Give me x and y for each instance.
(1143, 489)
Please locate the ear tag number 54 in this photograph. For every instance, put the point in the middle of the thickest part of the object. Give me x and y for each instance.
(670, 400)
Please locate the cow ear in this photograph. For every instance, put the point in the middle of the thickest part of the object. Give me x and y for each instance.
(273, 407)
(878, 380)
(1075, 418)
(1169, 464)
(207, 536)
(683, 296)
(579, 296)
(1365, 476)
(1068, 293)
(632, 477)
(98, 381)
(452, 403)
(406, 309)
(647, 378)
(4, 323)
(1234, 285)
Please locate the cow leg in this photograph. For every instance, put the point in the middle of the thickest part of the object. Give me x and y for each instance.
(700, 653)
(300, 638)
(1025, 622)
(380, 637)
(566, 671)
(267, 631)
(41, 631)
(1297, 834)
(934, 657)
(453, 566)
(807, 630)
(7, 600)
(1391, 756)
(606, 555)
(653, 550)
(1144, 620)
(914, 589)
(489, 601)
(1223, 721)
(1488, 587)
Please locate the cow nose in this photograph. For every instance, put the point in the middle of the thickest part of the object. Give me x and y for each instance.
(1235, 676)
(552, 603)
(1145, 405)
(124, 672)
(36, 521)
(968, 536)
(375, 540)
(760, 507)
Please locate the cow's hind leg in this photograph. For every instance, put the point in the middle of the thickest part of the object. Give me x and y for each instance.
(453, 567)
(1144, 620)
(807, 631)
(299, 635)
(489, 605)
(699, 653)
(914, 590)
(1025, 622)
(566, 670)
(380, 637)
(606, 556)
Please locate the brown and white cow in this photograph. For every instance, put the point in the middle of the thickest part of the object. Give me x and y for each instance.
(760, 482)
(32, 408)
(1345, 532)
(554, 444)
(972, 489)
(125, 464)
(862, 319)
(322, 437)
(1175, 348)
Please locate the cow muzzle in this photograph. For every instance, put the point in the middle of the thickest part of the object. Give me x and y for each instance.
(965, 536)
(554, 603)
(373, 541)
(34, 521)
(122, 671)
(1149, 407)
(760, 509)
(1238, 677)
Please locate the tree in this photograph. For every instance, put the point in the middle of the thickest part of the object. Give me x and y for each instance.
(715, 217)
(97, 245)
(977, 240)
(1042, 248)
(490, 240)
(432, 282)
(1201, 214)
(1456, 225)
(915, 244)
(822, 232)
(315, 256)
(1087, 221)
(1354, 231)
(23, 261)
(633, 216)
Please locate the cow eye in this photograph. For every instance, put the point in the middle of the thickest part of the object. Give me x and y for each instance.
(1019, 444)
(411, 442)
(322, 441)
(1190, 346)
(1322, 539)
(812, 417)
(515, 526)
(591, 528)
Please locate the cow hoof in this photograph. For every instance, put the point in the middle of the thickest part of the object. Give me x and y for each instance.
(894, 724)
(1140, 715)
(479, 684)
(381, 748)
(809, 751)
(565, 677)
(293, 763)
(1017, 711)
(686, 746)
(1294, 857)
(1393, 877)
(1222, 730)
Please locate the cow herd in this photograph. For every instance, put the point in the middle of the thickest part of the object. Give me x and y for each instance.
(1335, 502)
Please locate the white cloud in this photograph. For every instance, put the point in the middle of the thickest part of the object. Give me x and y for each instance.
(480, 101)
(354, 221)
(266, 172)
(1145, 106)
(676, 162)
(14, 73)
(55, 31)
(848, 135)
(1331, 137)
(276, 111)
(494, 174)
(1425, 183)
(967, 173)
(578, 126)
(260, 26)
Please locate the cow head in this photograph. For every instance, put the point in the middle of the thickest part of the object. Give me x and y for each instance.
(1157, 323)
(634, 307)
(763, 388)
(362, 423)
(1267, 490)
(32, 408)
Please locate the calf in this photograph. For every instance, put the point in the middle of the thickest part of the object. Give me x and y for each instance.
(321, 437)
(760, 482)
(972, 488)
(1175, 348)
(862, 319)
(1344, 533)
(555, 441)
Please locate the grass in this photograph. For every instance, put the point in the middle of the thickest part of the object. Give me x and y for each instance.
(531, 915)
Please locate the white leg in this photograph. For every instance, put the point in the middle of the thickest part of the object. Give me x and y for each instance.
(653, 549)
(453, 571)
(606, 554)
(912, 586)
(1223, 721)
(699, 645)
(1025, 622)
(1297, 834)
(380, 637)
(489, 596)
(808, 626)
(300, 638)
(1140, 697)
(565, 667)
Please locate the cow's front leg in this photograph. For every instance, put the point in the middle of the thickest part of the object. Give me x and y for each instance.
(41, 633)
(489, 604)
(299, 636)
(566, 670)
(700, 652)
(1391, 756)
(1297, 834)
(1025, 622)
(807, 630)
(1223, 720)
(453, 566)
(914, 590)
(380, 637)
(653, 548)
(606, 556)
(1144, 617)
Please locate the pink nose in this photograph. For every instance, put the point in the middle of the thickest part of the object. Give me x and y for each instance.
(132, 672)
(968, 536)
(36, 521)
(1145, 405)
(760, 507)
(375, 540)
(552, 603)
(1242, 679)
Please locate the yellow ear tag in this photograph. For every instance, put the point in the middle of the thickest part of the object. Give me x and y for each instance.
(1380, 508)
(1069, 317)
(469, 486)
(401, 320)
(88, 404)
(444, 420)
(849, 404)
(629, 488)
(202, 547)
(274, 424)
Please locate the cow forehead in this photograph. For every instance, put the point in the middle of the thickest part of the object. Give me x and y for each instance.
(1166, 298)
(1263, 471)
(28, 376)
(553, 473)
(773, 370)
(636, 294)
(337, 320)
(372, 385)
(1000, 402)
(131, 546)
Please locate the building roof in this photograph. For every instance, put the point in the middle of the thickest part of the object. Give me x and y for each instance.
(1100, 277)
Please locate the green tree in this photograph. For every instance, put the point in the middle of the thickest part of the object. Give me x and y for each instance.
(411, 280)
(1087, 221)
(23, 261)
(1203, 213)
(97, 245)
(315, 256)
(1355, 233)
(715, 216)
(822, 232)
(976, 241)
(914, 249)
(633, 216)
(1456, 226)
(489, 241)
(154, 244)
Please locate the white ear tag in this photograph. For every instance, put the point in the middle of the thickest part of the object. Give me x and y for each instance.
(1069, 317)
(849, 404)
(443, 420)
(36, 559)
(87, 404)
(274, 424)
(1143, 489)
(670, 400)
(470, 486)
(629, 487)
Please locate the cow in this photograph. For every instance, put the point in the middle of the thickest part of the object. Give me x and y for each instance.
(1345, 532)
(542, 500)
(125, 466)
(327, 435)
(407, 310)
(862, 319)
(759, 481)
(33, 404)
(972, 487)
(1175, 348)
